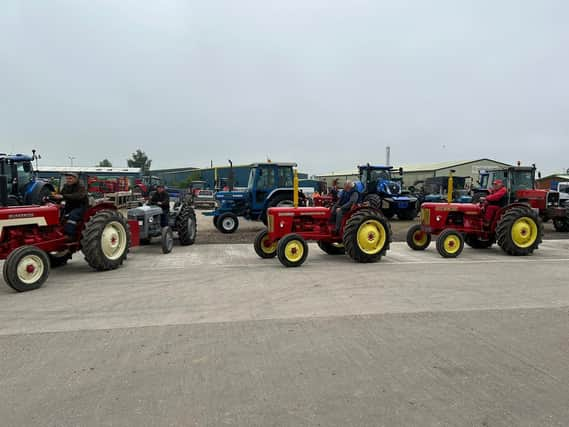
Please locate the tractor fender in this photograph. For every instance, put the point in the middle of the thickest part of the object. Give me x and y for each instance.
(35, 191)
(277, 191)
(510, 206)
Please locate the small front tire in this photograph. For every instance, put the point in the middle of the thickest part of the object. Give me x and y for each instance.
(417, 239)
(26, 268)
(227, 223)
(292, 250)
(450, 243)
(264, 247)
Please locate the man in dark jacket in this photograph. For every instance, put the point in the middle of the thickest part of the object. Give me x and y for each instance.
(160, 198)
(76, 201)
(348, 198)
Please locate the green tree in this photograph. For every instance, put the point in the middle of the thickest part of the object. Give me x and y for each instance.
(139, 159)
(106, 163)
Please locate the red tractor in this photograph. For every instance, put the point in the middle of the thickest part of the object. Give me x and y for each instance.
(365, 234)
(32, 240)
(517, 228)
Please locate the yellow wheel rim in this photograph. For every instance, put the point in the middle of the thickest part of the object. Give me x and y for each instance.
(524, 232)
(371, 237)
(420, 238)
(267, 247)
(451, 244)
(294, 251)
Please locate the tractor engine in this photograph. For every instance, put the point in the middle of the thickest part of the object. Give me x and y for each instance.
(148, 218)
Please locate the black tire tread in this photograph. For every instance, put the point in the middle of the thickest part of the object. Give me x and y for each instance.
(351, 230)
(503, 235)
(184, 234)
(9, 270)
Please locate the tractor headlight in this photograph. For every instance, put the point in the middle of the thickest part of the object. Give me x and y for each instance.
(140, 222)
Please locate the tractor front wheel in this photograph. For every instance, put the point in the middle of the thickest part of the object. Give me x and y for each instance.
(292, 250)
(367, 236)
(450, 243)
(227, 223)
(105, 240)
(167, 240)
(417, 239)
(26, 269)
(519, 231)
(186, 225)
(264, 247)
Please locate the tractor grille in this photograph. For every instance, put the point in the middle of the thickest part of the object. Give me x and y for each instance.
(425, 216)
(552, 199)
(271, 223)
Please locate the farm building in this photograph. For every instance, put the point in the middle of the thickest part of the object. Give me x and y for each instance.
(550, 182)
(213, 176)
(414, 175)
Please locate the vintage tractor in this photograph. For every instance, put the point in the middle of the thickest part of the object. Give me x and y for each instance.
(23, 186)
(516, 228)
(181, 219)
(270, 184)
(365, 234)
(32, 240)
(520, 182)
(382, 192)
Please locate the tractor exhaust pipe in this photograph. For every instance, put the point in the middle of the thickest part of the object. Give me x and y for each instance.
(3, 190)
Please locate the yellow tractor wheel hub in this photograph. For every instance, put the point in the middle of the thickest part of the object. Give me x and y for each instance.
(524, 232)
(294, 251)
(267, 247)
(371, 237)
(452, 244)
(420, 238)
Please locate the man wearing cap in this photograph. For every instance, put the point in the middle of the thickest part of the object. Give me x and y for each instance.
(160, 198)
(76, 203)
(496, 200)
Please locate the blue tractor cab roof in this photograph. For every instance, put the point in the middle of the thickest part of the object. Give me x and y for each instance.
(16, 157)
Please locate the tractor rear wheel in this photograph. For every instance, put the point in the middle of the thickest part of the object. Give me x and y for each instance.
(373, 200)
(167, 240)
(561, 224)
(264, 247)
(26, 268)
(367, 235)
(186, 225)
(476, 242)
(227, 223)
(519, 231)
(292, 250)
(417, 239)
(450, 243)
(332, 248)
(105, 240)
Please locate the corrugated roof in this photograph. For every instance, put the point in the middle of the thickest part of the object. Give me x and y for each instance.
(556, 175)
(419, 167)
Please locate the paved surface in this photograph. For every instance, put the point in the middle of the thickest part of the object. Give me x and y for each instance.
(212, 335)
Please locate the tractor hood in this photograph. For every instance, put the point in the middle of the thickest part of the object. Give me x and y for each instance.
(231, 195)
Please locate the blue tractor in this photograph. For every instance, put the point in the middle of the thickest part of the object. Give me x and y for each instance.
(270, 185)
(24, 188)
(384, 192)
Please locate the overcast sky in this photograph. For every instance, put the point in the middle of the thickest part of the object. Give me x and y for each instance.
(326, 83)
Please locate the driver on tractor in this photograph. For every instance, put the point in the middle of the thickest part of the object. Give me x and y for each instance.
(76, 203)
(496, 200)
(348, 198)
(161, 198)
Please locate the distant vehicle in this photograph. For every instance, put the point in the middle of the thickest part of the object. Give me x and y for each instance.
(563, 189)
(24, 187)
(203, 199)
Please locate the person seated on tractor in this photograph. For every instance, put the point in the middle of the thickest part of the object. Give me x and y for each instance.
(76, 201)
(348, 198)
(496, 200)
(160, 198)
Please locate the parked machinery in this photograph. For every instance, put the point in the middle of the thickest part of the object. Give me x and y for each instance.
(382, 192)
(181, 219)
(516, 228)
(520, 182)
(270, 184)
(365, 234)
(32, 240)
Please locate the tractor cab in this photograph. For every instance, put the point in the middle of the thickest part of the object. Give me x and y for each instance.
(23, 186)
(515, 178)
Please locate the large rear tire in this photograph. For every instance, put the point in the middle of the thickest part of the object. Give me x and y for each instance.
(519, 231)
(292, 250)
(367, 235)
(186, 225)
(105, 240)
(373, 200)
(26, 269)
(264, 247)
(332, 248)
(417, 239)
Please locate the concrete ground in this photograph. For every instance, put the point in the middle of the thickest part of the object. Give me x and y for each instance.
(211, 335)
